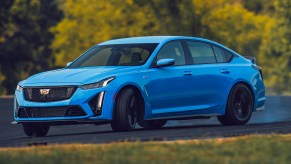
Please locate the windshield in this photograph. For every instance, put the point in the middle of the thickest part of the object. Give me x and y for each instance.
(115, 55)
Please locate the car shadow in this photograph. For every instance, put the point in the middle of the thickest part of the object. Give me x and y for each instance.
(212, 127)
(160, 130)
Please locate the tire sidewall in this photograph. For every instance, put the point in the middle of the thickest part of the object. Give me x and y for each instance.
(230, 107)
(120, 120)
(34, 130)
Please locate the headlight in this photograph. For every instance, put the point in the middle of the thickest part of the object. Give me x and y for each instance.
(19, 88)
(102, 83)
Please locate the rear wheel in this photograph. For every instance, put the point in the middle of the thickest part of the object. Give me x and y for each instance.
(35, 130)
(125, 111)
(239, 106)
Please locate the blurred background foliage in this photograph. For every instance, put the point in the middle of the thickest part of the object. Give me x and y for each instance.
(38, 35)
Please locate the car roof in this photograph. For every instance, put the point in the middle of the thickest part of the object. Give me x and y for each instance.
(149, 39)
(160, 39)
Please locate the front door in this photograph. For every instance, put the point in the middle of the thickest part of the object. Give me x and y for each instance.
(168, 89)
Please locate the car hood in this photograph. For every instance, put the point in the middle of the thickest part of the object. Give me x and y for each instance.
(84, 75)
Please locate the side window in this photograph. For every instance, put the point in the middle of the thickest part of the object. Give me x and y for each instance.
(228, 56)
(172, 50)
(201, 53)
(222, 56)
(219, 53)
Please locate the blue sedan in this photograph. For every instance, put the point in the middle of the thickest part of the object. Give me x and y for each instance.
(145, 81)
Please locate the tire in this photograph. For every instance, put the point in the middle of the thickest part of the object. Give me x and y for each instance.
(152, 124)
(34, 130)
(125, 111)
(239, 107)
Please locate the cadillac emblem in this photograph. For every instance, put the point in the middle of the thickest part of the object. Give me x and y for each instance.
(44, 91)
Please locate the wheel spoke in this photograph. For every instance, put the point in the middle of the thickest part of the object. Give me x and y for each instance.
(132, 116)
(241, 103)
(132, 102)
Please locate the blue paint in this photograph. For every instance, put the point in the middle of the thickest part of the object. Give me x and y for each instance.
(167, 91)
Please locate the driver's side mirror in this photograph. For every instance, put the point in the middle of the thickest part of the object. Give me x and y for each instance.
(69, 64)
(165, 62)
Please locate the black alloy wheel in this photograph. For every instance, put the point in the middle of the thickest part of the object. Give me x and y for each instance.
(240, 106)
(132, 114)
(125, 111)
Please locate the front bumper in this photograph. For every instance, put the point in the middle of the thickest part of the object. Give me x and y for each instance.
(81, 98)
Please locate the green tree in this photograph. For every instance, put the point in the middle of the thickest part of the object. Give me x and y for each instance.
(175, 17)
(202, 10)
(25, 38)
(236, 27)
(259, 6)
(86, 23)
(275, 51)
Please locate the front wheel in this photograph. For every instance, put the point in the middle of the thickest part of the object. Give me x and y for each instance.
(239, 106)
(35, 130)
(125, 111)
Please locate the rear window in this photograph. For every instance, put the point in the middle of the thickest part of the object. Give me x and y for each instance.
(228, 56)
(222, 56)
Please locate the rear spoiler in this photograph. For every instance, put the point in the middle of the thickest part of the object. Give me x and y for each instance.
(252, 59)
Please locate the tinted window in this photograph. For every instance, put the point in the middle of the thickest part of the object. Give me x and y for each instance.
(228, 56)
(172, 50)
(115, 55)
(222, 56)
(201, 53)
(219, 53)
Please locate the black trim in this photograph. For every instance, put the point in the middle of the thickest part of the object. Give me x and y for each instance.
(94, 102)
(214, 53)
(58, 93)
(51, 111)
(261, 73)
(188, 56)
(67, 122)
(48, 87)
(252, 59)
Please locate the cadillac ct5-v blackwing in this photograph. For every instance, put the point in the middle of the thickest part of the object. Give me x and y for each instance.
(145, 81)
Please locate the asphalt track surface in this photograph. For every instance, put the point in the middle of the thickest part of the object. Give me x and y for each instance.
(276, 118)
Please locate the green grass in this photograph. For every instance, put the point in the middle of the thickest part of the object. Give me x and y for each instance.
(248, 149)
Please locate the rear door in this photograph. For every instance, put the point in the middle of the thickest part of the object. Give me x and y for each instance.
(209, 87)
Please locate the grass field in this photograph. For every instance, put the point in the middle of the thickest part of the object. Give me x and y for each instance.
(246, 149)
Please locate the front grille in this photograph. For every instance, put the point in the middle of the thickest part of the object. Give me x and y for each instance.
(42, 112)
(49, 94)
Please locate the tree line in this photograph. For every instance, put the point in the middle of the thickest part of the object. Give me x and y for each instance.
(39, 35)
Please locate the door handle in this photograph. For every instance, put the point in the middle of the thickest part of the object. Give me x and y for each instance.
(226, 71)
(187, 73)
